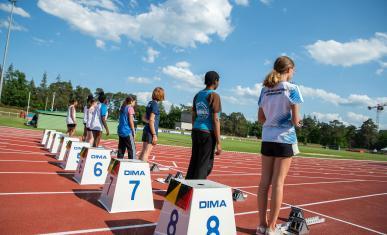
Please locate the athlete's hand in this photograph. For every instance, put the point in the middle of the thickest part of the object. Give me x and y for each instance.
(218, 149)
(154, 140)
(107, 132)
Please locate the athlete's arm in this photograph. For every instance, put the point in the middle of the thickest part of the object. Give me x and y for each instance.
(152, 128)
(295, 117)
(261, 116)
(217, 133)
(131, 123)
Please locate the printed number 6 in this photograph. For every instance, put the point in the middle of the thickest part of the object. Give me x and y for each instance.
(97, 171)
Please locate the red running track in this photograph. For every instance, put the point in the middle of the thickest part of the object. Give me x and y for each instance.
(36, 196)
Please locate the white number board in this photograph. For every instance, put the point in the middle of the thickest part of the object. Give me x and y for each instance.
(197, 207)
(71, 159)
(93, 166)
(62, 146)
(127, 187)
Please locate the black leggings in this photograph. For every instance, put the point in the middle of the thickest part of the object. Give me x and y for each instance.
(126, 143)
(202, 159)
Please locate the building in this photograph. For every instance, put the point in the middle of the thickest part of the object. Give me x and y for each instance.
(185, 121)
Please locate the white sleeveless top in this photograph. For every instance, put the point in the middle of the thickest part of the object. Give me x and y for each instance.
(69, 119)
(96, 118)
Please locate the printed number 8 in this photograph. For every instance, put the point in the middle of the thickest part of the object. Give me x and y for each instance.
(173, 222)
(213, 229)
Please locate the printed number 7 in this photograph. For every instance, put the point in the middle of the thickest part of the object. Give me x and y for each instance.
(136, 184)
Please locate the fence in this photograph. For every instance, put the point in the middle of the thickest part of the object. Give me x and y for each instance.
(9, 114)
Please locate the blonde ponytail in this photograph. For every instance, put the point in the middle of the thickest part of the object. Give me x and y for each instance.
(281, 66)
(272, 79)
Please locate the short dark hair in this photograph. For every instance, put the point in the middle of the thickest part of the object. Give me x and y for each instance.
(102, 97)
(210, 78)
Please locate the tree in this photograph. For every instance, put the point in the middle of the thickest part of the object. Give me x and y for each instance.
(350, 136)
(368, 134)
(255, 129)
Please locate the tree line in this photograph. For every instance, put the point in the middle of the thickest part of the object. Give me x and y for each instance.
(334, 134)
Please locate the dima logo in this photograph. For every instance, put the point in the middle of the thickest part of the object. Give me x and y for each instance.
(127, 172)
(94, 156)
(212, 204)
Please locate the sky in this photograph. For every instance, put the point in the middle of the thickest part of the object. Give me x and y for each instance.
(132, 46)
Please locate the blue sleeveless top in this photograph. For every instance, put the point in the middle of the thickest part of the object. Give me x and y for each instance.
(123, 128)
(204, 112)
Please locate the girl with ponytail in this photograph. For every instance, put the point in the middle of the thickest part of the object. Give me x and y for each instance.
(279, 114)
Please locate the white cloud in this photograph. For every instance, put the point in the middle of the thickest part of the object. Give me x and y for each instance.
(152, 54)
(143, 80)
(16, 10)
(185, 77)
(102, 4)
(267, 62)
(40, 41)
(252, 93)
(143, 97)
(356, 117)
(15, 26)
(327, 117)
(383, 66)
(242, 2)
(182, 23)
(266, 2)
(248, 92)
(167, 105)
(346, 54)
(351, 100)
(100, 44)
(133, 3)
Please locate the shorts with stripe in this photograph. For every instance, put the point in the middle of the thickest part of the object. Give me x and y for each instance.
(273, 149)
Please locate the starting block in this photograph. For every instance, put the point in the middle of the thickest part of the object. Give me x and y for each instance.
(197, 207)
(167, 179)
(154, 168)
(50, 139)
(238, 195)
(55, 142)
(127, 187)
(45, 135)
(72, 156)
(297, 224)
(62, 146)
(93, 165)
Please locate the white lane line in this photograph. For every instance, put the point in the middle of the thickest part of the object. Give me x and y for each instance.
(153, 157)
(22, 161)
(102, 229)
(24, 153)
(317, 203)
(63, 192)
(174, 163)
(36, 173)
(46, 193)
(340, 220)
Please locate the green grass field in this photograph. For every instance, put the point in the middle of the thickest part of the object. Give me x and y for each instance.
(229, 144)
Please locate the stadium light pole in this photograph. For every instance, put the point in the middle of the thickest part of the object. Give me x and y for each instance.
(6, 47)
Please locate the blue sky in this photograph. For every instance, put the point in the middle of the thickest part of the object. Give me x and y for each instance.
(339, 47)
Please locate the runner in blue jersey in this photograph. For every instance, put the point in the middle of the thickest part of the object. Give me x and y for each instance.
(151, 119)
(279, 113)
(206, 128)
(125, 130)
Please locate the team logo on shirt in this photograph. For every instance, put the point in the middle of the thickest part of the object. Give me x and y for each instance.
(202, 110)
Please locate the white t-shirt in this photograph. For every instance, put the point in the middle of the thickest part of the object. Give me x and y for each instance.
(71, 115)
(276, 104)
(99, 112)
(85, 110)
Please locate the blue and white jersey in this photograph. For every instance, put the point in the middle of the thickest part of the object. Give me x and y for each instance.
(276, 104)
